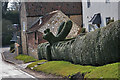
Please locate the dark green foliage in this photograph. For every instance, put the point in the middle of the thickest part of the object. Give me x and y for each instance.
(8, 18)
(95, 48)
(49, 36)
(83, 30)
(13, 16)
(61, 27)
(42, 51)
(7, 31)
(48, 47)
(65, 31)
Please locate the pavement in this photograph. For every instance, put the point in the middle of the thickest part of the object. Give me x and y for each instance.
(12, 68)
(10, 71)
(9, 57)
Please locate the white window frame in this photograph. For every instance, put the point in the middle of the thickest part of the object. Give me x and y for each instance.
(23, 26)
(88, 4)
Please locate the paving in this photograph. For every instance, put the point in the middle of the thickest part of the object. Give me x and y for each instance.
(10, 71)
(12, 68)
(10, 57)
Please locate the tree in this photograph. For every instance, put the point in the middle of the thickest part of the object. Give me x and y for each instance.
(9, 17)
(7, 31)
(4, 6)
(14, 6)
(13, 16)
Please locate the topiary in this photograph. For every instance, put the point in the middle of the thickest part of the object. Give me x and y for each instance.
(65, 30)
(61, 27)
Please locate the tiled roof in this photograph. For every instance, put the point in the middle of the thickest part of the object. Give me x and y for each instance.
(41, 8)
(36, 25)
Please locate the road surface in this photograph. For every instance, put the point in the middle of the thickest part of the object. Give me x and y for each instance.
(11, 71)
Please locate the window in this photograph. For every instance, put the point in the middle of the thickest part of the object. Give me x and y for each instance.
(23, 26)
(35, 36)
(88, 3)
(107, 20)
(107, 1)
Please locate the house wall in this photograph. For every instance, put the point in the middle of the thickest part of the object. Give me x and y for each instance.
(33, 43)
(23, 28)
(119, 10)
(109, 9)
(77, 19)
(56, 21)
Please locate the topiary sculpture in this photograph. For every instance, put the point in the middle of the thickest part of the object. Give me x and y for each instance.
(63, 31)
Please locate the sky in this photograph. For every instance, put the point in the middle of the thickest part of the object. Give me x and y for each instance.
(9, 4)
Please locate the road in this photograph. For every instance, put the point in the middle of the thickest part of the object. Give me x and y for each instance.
(11, 71)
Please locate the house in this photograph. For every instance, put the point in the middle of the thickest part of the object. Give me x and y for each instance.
(31, 11)
(52, 21)
(99, 14)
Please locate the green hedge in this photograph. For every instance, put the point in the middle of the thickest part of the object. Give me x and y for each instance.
(95, 48)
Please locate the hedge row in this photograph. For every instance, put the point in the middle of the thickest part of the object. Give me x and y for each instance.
(99, 47)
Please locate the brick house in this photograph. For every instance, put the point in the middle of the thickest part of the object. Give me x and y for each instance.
(31, 11)
(51, 20)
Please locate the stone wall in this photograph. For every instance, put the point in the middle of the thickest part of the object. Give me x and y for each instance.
(33, 42)
(99, 47)
(55, 21)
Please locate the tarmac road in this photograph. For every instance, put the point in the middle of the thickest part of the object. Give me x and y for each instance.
(11, 71)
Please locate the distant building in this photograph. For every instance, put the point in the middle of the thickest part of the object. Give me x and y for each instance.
(52, 21)
(98, 14)
(31, 11)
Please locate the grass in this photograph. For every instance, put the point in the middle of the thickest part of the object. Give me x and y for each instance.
(35, 63)
(25, 58)
(106, 71)
(64, 68)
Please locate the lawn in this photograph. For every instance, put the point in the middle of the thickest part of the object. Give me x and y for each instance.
(64, 68)
(25, 58)
(61, 68)
(106, 71)
(35, 63)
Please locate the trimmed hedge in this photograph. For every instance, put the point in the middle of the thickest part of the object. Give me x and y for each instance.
(95, 48)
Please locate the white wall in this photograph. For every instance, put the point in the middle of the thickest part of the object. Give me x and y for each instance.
(106, 10)
(119, 10)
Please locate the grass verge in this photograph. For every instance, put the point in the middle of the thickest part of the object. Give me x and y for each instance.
(65, 69)
(61, 68)
(35, 63)
(106, 71)
(25, 58)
